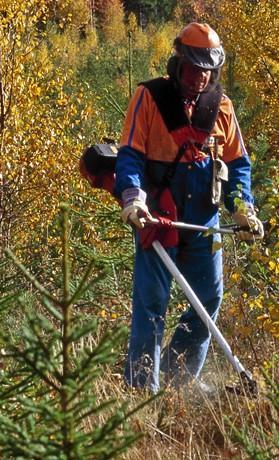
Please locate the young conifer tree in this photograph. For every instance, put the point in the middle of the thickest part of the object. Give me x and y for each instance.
(47, 391)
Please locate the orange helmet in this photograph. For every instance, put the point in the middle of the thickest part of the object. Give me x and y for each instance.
(200, 45)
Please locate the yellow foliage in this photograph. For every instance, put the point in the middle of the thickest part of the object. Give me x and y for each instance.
(69, 50)
(161, 47)
(41, 139)
(113, 25)
(132, 25)
(248, 30)
(274, 266)
(274, 313)
(272, 327)
(38, 154)
(140, 40)
(68, 12)
(235, 276)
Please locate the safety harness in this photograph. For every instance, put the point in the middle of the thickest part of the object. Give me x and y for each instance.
(168, 100)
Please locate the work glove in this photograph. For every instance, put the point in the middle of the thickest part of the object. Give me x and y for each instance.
(137, 214)
(248, 219)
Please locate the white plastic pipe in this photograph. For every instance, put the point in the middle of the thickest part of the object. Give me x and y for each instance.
(198, 306)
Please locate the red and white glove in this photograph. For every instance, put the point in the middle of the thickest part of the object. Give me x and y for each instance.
(248, 219)
(136, 213)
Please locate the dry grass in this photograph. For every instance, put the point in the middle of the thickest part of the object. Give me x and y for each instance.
(189, 424)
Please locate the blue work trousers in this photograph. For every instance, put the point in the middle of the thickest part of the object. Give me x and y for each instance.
(184, 356)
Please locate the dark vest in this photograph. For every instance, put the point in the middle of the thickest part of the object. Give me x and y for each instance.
(171, 107)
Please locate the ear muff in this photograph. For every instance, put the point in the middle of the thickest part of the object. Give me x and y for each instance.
(172, 67)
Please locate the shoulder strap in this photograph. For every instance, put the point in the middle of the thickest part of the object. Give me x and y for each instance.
(169, 173)
(207, 108)
(168, 101)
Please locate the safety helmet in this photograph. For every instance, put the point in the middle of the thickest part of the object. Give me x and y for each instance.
(200, 45)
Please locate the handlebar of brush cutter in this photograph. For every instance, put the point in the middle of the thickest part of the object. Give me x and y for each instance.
(230, 229)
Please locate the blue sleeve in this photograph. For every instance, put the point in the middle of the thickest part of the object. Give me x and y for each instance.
(239, 183)
(130, 166)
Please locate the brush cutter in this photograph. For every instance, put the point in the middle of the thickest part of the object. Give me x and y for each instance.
(247, 384)
(229, 229)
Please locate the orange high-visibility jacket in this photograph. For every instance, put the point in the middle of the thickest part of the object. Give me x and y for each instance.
(145, 137)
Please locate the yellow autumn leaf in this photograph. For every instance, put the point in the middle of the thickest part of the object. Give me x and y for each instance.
(272, 328)
(274, 266)
(36, 90)
(273, 222)
(274, 313)
(235, 276)
(263, 317)
(216, 246)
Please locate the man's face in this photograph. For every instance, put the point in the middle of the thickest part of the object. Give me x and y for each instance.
(193, 79)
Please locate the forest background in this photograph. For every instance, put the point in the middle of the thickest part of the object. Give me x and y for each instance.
(67, 70)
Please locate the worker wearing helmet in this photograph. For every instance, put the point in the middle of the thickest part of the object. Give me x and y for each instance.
(177, 129)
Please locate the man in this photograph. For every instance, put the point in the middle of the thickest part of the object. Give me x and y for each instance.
(177, 130)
